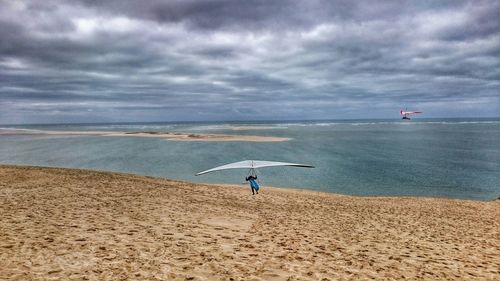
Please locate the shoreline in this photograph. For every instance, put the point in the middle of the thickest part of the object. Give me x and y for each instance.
(174, 136)
(245, 185)
(60, 223)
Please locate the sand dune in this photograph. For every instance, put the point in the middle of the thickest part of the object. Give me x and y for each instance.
(83, 225)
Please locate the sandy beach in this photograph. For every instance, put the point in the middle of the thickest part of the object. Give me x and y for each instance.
(65, 224)
(175, 136)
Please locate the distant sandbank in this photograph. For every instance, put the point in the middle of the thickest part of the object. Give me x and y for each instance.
(175, 136)
(67, 224)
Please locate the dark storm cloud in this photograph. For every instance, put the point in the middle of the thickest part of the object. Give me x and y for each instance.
(211, 15)
(197, 60)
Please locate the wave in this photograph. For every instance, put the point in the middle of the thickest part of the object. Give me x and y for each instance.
(243, 126)
(416, 122)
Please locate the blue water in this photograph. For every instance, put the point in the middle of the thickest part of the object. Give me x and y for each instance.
(455, 158)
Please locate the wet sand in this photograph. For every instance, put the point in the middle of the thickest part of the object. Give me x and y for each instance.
(66, 224)
(175, 136)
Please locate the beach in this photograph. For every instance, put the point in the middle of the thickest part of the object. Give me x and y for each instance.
(68, 224)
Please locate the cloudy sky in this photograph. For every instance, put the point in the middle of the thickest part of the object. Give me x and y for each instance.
(115, 61)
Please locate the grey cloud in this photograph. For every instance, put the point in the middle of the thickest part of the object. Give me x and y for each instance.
(226, 14)
(174, 60)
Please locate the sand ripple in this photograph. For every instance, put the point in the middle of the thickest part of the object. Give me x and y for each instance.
(84, 225)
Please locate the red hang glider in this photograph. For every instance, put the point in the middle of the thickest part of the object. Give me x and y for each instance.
(406, 114)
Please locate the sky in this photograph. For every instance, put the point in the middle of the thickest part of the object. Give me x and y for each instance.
(140, 61)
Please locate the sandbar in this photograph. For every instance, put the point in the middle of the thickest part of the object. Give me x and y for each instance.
(175, 136)
(68, 224)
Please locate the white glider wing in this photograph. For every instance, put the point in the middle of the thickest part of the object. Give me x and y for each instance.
(406, 112)
(253, 164)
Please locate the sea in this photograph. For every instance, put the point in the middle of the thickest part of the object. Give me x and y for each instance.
(452, 158)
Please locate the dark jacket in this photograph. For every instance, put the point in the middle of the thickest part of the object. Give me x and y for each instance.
(250, 177)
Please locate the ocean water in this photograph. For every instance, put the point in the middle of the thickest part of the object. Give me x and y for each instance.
(454, 158)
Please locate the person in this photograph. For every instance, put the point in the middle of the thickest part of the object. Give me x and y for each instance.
(254, 185)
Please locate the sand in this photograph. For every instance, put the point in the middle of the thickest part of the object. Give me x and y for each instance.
(174, 136)
(62, 224)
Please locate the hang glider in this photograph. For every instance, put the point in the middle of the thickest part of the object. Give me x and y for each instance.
(406, 114)
(253, 164)
(409, 112)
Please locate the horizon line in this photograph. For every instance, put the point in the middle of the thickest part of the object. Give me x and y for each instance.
(241, 121)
